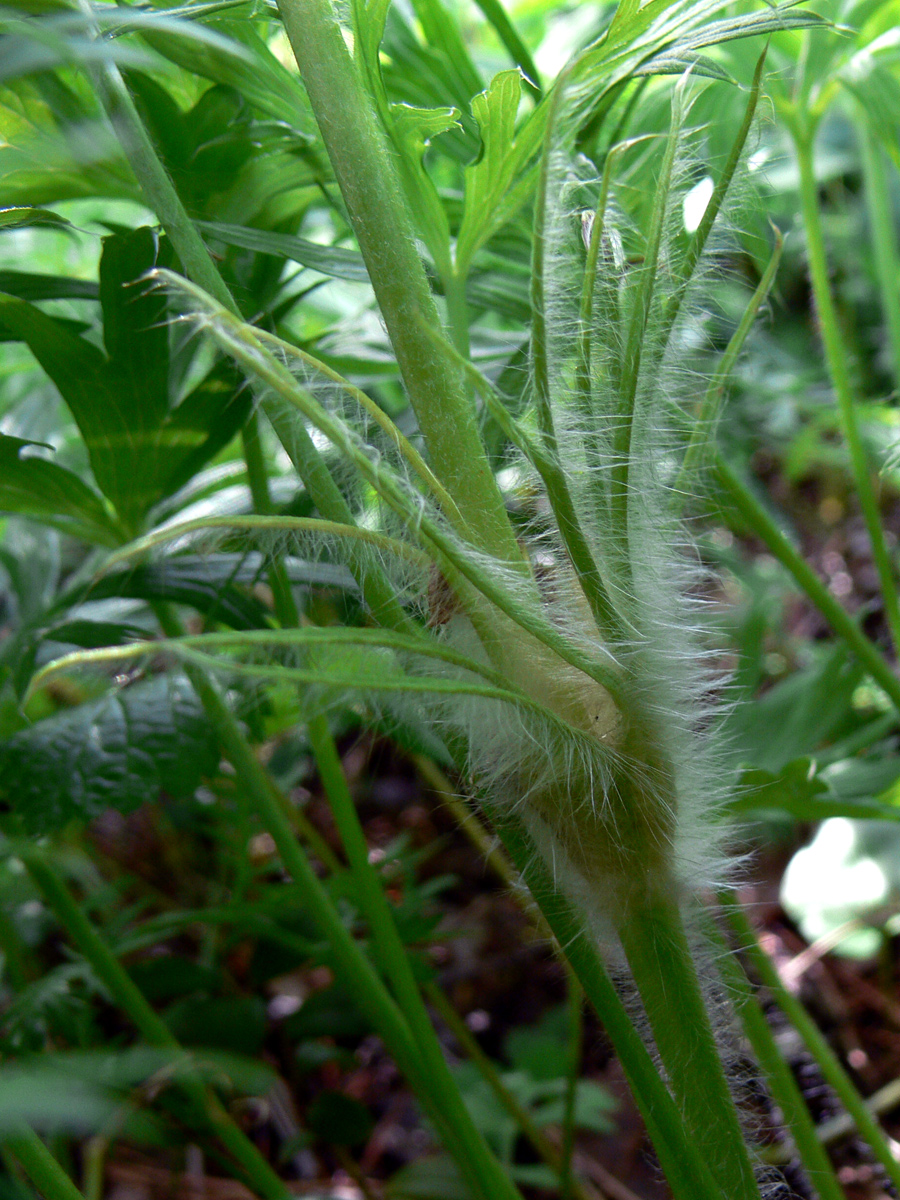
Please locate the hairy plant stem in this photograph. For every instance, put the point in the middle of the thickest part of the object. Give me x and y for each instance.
(783, 1086)
(395, 963)
(368, 181)
(828, 1062)
(151, 1027)
(41, 1167)
(687, 1171)
(803, 132)
(660, 959)
(761, 524)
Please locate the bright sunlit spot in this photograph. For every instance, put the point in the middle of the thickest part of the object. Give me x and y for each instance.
(695, 202)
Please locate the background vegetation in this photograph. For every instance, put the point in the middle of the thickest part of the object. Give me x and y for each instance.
(247, 912)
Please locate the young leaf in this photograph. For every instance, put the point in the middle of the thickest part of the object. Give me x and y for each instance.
(34, 486)
(23, 217)
(334, 261)
(493, 194)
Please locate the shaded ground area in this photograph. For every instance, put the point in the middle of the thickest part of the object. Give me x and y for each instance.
(501, 977)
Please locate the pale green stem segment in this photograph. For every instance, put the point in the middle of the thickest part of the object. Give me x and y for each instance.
(782, 1084)
(368, 181)
(150, 1026)
(703, 432)
(395, 964)
(656, 946)
(156, 184)
(884, 238)
(759, 521)
(41, 1167)
(803, 133)
(687, 1171)
(547, 465)
(829, 1063)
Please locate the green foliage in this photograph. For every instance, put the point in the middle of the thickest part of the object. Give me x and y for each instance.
(115, 752)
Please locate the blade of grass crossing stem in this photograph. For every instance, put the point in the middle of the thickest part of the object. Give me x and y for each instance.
(759, 521)
(149, 1024)
(838, 368)
(783, 1086)
(392, 956)
(48, 1177)
(828, 1062)
(685, 1169)
(656, 946)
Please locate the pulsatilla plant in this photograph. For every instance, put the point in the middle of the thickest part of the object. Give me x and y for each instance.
(546, 632)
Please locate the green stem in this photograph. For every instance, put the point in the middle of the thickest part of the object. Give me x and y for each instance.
(704, 427)
(716, 200)
(546, 462)
(156, 184)
(828, 1062)
(782, 1084)
(164, 200)
(656, 946)
(368, 181)
(575, 1005)
(468, 822)
(836, 357)
(348, 960)
(884, 238)
(760, 523)
(395, 964)
(517, 1111)
(687, 1171)
(148, 1023)
(258, 478)
(41, 1167)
